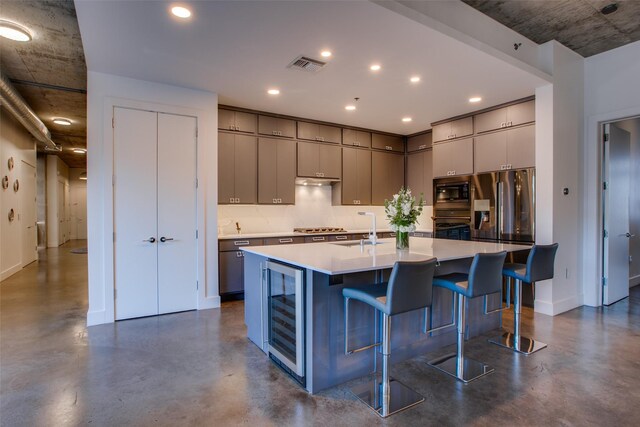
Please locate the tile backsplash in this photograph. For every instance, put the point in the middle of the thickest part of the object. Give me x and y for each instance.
(312, 209)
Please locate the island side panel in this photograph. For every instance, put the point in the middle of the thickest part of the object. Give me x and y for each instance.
(255, 300)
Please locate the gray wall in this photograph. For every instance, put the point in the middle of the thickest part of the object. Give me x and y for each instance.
(633, 127)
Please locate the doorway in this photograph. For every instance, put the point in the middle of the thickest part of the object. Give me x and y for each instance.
(620, 209)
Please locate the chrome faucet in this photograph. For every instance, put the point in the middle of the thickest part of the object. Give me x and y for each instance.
(373, 237)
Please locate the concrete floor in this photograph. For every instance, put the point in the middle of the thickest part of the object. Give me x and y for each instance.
(197, 368)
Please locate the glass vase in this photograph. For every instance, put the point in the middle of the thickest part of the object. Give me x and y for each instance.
(402, 240)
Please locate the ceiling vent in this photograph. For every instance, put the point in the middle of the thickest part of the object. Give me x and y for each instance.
(306, 64)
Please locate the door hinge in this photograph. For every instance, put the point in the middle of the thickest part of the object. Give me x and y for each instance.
(196, 131)
(196, 234)
(606, 137)
(114, 236)
(606, 233)
(196, 182)
(197, 285)
(604, 281)
(115, 294)
(604, 185)
(113, 180)
(113, 122)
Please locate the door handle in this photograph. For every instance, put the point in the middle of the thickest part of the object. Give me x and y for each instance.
(629, 235)
(165, 239)
(151, 240)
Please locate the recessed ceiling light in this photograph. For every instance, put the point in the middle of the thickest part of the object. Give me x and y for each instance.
(414, 79)
(61, 121)
(14, 31)
(80, 151)
(375, 67)
(610, 8)
(406, 119)
(273, 91)
(350, 107)
(475, 99)
(181, 12)
(325, 53)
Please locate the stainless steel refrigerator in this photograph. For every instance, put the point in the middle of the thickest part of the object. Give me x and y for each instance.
(503, 206)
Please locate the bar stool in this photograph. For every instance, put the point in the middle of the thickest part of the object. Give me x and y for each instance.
(484, 278)
(409, 288)
(539, 266)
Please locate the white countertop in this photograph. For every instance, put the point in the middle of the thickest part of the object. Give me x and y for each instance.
(293, 233)
(332, 258)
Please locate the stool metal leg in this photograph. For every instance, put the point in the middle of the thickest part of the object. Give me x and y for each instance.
(457, 365)
(515, 341)
(388, 396)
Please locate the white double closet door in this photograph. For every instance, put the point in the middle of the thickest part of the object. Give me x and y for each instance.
(154, 213)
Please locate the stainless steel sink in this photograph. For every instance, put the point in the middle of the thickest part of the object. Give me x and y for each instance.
(356, 243)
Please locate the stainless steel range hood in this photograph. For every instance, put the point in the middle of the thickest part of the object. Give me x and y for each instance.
(316, 181)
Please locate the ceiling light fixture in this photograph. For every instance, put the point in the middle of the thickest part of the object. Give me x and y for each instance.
(62, 121)
(375, 67)
(79, 150)
(407, 119)
(273, 91)
(414, 79)
(181, 12)
(13, 31)
(325, 53)
(475, 99)
(350, 107)
(610, 8)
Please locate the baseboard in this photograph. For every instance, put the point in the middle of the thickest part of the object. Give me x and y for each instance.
(209, 302)
(96, 318)
(10, 272)
(555, 308)
(634, 281)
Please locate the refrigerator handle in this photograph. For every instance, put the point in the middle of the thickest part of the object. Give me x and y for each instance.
(500, 209)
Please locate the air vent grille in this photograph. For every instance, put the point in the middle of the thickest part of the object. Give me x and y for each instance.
(306, 64)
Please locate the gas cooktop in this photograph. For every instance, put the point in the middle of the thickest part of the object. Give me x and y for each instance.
(320, 230)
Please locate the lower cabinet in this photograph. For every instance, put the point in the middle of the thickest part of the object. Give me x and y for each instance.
(231, 272)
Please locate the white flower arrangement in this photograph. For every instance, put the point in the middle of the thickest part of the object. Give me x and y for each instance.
(403, 211)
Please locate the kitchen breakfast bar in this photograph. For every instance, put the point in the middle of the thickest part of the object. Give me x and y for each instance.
(294, 307)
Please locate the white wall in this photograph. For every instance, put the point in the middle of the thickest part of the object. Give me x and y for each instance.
(58, 216)
(77, 204)
(611, 92)
(16, 143)
(105, 91)
(312, 209)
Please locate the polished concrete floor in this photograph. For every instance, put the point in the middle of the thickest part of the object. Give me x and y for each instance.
(197, 368)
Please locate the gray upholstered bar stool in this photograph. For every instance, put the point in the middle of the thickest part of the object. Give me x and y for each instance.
(484, 278)
(409, 288)
(539, 266)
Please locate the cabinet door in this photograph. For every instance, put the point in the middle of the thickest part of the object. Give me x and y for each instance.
(356, 138)
(387, 142)
(462, 127)
(521, 147)
(330, 134)
(491, 120)
(226, 167)
(419, 142)
(245, 122)
(428, 177)
(364, 176)
(441, 159)
(308, 131)
(231, 272)
(308, 159)
(520, 114)
(461, 156)
(226, 119)
(286, 128)
(441, 132)
(330, 161)
(387, 171)
(286, 172)
(490, 152)
(267, 170)
(349, 176)
(415, 173)
(277, 127)
(246, 169)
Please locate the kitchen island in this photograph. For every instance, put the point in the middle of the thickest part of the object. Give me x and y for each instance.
(293, 294)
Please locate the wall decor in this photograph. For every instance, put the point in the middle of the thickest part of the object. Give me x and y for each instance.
(10, 163)
(11, 215)
(16, 186)
(5, 182)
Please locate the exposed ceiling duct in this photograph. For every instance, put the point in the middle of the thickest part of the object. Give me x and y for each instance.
(15, 104)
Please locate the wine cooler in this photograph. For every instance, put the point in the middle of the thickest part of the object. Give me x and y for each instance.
(285, 302)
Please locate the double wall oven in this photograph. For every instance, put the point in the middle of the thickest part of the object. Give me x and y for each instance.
(452, 208)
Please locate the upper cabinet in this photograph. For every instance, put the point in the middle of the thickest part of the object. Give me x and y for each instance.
(276, 171)
(420, 175)
(453, 129)
(356, 177)
(513, 115)
(237, 169)
(419, 142)
(321, 133)
(357, 138)
(453, 158)
(512, 149)
(387, 171)
(387, 142)
(319, 160)
(236, 121)
(276, 126)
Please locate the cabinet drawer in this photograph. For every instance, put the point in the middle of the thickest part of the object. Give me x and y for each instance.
(357, 138)
(421, 234)
(339, 237)
(235, 244)
(275, 126)
(284, 240)
(419, 142)
(387, 142)
(316, 239)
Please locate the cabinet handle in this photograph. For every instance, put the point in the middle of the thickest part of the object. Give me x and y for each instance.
(274, 133)
(355, 202)
(279, 133)
(279, 200)
(341, 237)
(286, 240)
(239, 254)
(320, 174)
(237, 199)
(150, 240)
(503, 124)
(165, 239)
(418, 235)
(453, 172)
(231, 200)
(231, 127)
(509, 166)
(241, 242)
(510, 123)
(274, 201)
(356, 144)
(318, 239)
(392, 234)
(388, 147)
(422, 147)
